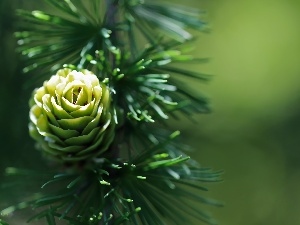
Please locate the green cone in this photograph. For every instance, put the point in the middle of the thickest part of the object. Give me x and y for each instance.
(70, 116)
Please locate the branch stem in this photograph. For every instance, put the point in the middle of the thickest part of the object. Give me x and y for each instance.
(111, 17)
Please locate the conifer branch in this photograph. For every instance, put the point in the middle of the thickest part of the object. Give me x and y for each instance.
(100, 115)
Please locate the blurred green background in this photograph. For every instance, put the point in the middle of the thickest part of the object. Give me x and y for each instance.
(252, 134)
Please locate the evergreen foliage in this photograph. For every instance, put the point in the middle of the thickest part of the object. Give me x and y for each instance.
(145, 176)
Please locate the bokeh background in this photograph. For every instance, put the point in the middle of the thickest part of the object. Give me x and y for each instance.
(253, 133)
